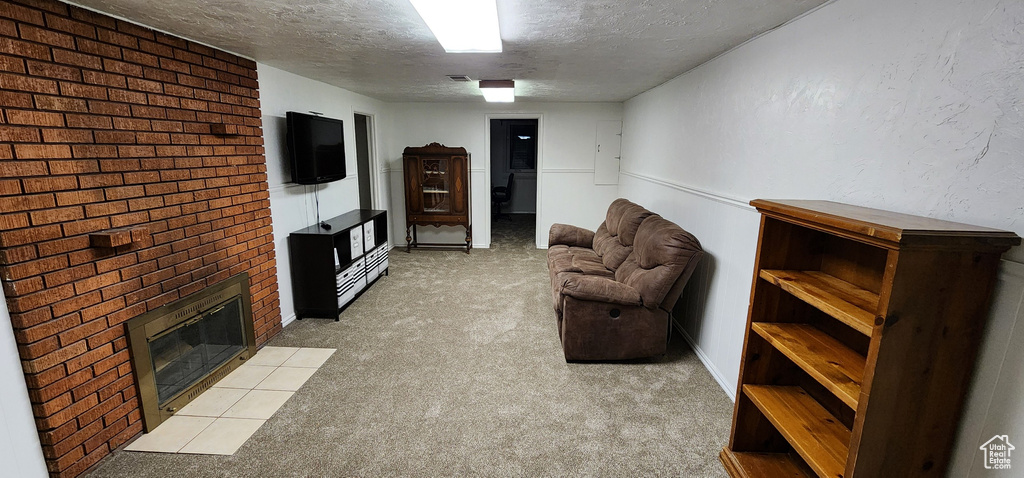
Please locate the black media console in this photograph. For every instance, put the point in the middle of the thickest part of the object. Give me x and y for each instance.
(358, 241)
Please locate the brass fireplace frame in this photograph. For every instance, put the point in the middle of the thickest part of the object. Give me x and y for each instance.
(157, 322)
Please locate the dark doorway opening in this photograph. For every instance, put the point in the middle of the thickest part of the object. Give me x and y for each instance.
(513, 180)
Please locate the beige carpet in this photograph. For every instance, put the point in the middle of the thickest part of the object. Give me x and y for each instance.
(451, 366)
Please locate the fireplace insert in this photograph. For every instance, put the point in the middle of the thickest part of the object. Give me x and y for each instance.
(182, 348)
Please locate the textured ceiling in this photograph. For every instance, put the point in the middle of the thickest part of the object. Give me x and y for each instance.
(556, 50)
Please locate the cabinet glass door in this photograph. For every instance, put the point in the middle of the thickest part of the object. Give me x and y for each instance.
(435, 185)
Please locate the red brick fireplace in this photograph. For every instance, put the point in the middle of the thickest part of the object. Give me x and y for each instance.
(132, 174)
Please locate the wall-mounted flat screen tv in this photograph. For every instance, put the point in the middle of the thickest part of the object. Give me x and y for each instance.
(316, 146)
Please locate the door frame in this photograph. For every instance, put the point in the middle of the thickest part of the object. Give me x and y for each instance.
(540, 162)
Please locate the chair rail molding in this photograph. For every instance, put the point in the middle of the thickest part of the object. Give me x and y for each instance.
(739, 203)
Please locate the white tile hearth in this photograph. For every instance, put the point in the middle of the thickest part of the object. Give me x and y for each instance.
(308, 357)
(223, 437)
(221, 419)
(259, 404)
(212, 403)
(272, 356)
(171, 435)
(286, 378)
(245, 377)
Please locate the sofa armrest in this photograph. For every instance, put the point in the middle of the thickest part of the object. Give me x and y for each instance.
(599, 289)
(570, 236)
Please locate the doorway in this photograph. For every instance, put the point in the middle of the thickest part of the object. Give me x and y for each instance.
(513, 165)
(364, 169)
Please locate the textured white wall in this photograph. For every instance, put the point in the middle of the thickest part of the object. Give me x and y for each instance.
(292, 205)
(20, 452)
(908, 106)
(568, 133)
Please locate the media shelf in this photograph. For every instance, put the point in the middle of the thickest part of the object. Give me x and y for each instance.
(862, 332)
(324, 287)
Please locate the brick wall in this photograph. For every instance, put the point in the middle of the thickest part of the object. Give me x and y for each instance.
(107, 125)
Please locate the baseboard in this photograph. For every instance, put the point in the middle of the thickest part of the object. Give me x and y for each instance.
(729, 388)
(287, 320)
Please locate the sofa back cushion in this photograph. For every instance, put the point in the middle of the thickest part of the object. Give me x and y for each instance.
(613, 240)
(662, 252)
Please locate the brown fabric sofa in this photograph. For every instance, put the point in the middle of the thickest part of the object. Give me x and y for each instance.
(614, 288)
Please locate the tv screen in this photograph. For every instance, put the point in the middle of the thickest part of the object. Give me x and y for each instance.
(317, 148)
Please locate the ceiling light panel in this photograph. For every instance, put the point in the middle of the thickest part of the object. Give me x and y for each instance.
(499, 95)
(462, 26)
(498, 91)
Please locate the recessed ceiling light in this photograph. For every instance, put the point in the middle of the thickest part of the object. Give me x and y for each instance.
(459, 78)
(462, 26)
(498, 91)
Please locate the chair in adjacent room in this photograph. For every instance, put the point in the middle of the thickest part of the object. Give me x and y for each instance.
(501, 195)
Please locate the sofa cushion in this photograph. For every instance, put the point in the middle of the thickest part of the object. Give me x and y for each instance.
(624, 218)
(613, 241)
(557, 292)
(607, 246)
(570, 236)
(563, 258)
(590, 264)
(560, 259)
(661, 252)
(600, 289)
(570, 260)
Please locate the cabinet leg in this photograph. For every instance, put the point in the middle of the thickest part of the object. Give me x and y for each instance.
(408, 239)
(469, 238)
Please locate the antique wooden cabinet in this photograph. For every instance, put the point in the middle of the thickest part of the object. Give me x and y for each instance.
(436, 191)
(861, 337)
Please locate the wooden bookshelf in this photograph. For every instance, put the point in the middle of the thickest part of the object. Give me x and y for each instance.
(756, 465)
(834, 365)
(813, 432)
(862, 332)
(844, 301)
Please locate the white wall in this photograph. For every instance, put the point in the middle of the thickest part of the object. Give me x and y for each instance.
(20, 452)
(292, 205)
(908, 106)
(568, 135)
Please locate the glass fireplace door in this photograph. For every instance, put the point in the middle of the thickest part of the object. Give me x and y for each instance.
(196, 347)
